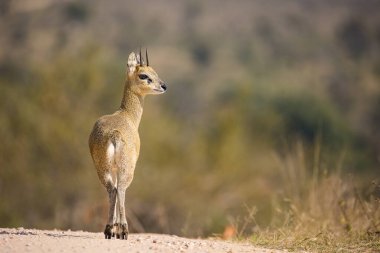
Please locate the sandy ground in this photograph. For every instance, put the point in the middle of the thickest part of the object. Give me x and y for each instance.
(32, 240)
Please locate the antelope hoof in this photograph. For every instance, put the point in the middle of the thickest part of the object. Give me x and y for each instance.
(123, 235)
(108, 231)
(115, 230)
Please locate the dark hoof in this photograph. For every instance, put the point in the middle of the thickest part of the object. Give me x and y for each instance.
(124, 236)
(124, 232)
(108, 231)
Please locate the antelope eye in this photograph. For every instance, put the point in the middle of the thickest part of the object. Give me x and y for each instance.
(143, 76)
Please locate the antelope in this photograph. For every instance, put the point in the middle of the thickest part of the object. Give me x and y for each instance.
(115, 143)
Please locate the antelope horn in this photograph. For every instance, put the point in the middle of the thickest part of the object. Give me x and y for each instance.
(146, 56)
(141, 59)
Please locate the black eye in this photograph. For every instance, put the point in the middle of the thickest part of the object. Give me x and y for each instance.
(143, 76)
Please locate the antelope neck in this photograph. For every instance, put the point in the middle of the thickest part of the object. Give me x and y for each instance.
(132, 105)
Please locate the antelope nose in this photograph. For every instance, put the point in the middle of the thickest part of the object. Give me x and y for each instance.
(163, 86)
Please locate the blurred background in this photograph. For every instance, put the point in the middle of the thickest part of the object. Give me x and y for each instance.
(261, 94)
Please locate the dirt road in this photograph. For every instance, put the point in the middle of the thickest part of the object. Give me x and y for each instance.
(32, 240)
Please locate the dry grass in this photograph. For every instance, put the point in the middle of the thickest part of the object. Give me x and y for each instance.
(319, 210)
(324, 241)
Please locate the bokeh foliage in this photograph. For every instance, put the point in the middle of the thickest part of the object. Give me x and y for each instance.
(244, 88)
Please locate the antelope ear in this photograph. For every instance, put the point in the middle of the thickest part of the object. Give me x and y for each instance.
(132, 63)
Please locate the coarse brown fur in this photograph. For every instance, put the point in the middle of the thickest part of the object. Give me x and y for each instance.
(115, 143)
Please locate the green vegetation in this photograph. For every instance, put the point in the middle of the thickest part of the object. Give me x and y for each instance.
(275, 105)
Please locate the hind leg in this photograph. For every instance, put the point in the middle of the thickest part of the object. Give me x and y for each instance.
(124, 180)
(125, 161)
(123, 225)
(121, 188)
(112, 192)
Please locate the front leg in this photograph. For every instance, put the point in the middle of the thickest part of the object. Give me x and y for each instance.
(116, 219)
